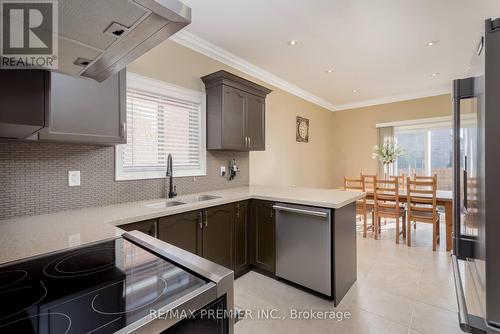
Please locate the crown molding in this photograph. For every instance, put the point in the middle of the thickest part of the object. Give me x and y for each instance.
(395, 98)
(211, 50)
(208, 49)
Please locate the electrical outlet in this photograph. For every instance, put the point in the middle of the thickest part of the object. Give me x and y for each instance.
(73, 178)
(222, 170)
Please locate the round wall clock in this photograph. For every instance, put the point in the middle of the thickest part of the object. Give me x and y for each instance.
(302, 131)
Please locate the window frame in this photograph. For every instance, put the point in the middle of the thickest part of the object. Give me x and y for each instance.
(177, 92)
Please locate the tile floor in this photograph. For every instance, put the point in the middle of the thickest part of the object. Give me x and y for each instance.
(400, 289)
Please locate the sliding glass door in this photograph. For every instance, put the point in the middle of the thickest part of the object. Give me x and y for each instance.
(428, 151)
(413, 142)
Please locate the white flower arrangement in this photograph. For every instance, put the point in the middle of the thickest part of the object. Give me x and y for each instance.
(388, 153)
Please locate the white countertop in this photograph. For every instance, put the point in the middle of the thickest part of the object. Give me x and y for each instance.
(34, 235)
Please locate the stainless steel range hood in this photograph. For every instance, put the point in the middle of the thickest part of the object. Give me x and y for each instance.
(98, 38)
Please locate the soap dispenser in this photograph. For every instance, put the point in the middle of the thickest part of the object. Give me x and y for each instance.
(233, 168)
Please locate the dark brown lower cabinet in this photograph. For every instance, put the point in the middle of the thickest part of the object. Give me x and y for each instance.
(241, 233)
(182, 230)
(217, 234)
(263, 238)
(236, 235)
(147, 226)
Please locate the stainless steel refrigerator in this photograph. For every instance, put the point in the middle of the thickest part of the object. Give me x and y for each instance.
(476, 241)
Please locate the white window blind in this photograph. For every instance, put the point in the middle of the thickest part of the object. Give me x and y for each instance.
(161, 119)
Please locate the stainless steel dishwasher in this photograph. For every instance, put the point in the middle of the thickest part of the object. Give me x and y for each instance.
(303, 246)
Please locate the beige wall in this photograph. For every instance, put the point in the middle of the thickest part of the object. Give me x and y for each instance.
(284, 162)
(340, 143)
(355, 133)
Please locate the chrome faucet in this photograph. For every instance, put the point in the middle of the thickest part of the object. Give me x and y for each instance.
(171, 187)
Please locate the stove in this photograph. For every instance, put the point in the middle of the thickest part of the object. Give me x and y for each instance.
(107, 287)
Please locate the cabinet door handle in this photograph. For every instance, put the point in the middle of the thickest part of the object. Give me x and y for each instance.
(124, 129)
(200, 222)
(206, 218)
(249, 142)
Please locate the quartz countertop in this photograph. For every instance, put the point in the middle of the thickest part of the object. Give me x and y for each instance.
(23, 237)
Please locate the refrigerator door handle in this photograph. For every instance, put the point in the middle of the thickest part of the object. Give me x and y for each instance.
(463, 317)
(457, 210)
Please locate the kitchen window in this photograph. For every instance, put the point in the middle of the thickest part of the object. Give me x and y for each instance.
(161, 118)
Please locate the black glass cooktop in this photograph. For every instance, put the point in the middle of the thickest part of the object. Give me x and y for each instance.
(96, 289)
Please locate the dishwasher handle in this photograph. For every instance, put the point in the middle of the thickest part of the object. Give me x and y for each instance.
(301, 211)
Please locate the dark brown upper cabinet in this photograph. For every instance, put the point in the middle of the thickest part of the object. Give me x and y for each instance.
(236, 113)
(24, 102)
(87, 111)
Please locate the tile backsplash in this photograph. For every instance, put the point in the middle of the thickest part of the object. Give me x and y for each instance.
(34, 178)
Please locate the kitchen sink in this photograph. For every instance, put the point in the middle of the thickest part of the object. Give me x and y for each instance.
(202, 198)
(199, 198)
(164, 204)
(183, 200)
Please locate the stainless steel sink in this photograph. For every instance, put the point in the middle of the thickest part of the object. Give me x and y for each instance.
(199, 198)
(202, 198)
(164, 204)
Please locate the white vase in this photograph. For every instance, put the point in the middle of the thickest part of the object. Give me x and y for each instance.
(388, 170)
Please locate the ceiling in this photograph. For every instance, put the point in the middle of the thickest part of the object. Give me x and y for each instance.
(377, 49)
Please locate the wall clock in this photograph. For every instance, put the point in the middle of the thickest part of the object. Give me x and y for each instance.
(302, 130)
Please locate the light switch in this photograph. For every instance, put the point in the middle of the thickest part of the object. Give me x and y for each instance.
(73, 178)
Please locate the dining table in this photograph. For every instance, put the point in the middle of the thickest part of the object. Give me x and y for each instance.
(444, 198)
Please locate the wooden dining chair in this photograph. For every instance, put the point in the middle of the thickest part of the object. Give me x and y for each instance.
(424, 178)
(421, 201)
(363, 207)
(387, 205)
(401, 180)
(369, 182)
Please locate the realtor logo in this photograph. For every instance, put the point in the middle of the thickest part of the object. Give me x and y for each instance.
(29, 33)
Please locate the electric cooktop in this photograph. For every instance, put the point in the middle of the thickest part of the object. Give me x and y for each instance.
(100, 288)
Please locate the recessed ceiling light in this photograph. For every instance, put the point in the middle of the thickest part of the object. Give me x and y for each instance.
(434, 75)
(431, 43)
(330, 70)
(293, 42)
(354, 91)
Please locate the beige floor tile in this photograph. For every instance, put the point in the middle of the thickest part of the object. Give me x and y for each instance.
(399, 281)
(382, 303)
(430, 319)
(437, 294)
(282, 327)
(400, 289)
(362, 322)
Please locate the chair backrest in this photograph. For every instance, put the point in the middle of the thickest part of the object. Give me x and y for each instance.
(369, 182)
(423, 178)
(421, 199)
(354, 184)
(401, 180)
(386, 196)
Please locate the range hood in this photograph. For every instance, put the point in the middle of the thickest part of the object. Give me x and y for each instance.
(98, 38)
